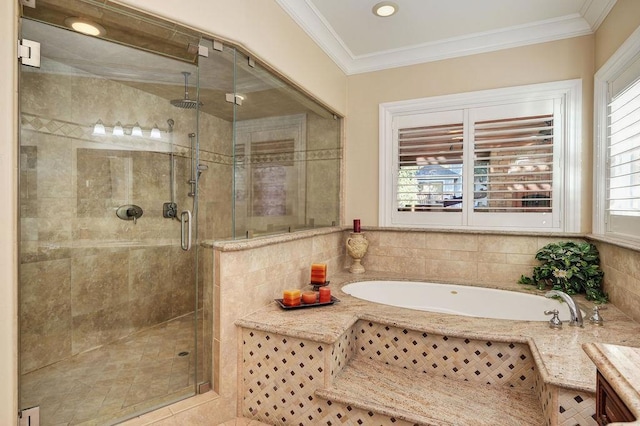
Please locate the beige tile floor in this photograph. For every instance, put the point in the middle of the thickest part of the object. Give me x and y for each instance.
(117, 380)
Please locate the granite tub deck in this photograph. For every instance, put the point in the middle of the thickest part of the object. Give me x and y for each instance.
(307, 366)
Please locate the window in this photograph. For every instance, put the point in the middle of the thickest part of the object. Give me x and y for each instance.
(499, 159)
(270, 178)
(617, 139)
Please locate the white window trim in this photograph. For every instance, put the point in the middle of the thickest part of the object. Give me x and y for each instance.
(571, 187)
(618, 62)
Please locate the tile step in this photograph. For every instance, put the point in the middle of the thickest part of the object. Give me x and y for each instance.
(429, 400)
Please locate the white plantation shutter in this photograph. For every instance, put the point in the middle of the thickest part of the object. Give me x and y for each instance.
(434, 154)
(515, 152)
(616, 212)
(513, 164)
(496, 159)
(507, 157)
(623, 167)
(428, 171)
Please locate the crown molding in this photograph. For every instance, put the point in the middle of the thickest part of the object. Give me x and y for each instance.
(490, 41)
(313, 23)
(594, 11)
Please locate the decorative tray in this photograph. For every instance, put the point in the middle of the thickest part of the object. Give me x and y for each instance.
(307, 305)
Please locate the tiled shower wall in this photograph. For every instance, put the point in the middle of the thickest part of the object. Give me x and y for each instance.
(73, 248)
(87, 277)
(84, 297)
(287, 173)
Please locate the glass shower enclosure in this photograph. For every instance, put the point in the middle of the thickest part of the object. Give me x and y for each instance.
(140, 147)
(108, 272)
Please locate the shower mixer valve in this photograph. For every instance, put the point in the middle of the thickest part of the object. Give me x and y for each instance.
(129, 212)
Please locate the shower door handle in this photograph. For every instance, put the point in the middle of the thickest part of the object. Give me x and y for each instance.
(185, 230)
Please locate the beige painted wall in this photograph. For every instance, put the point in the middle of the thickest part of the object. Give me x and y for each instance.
(560, 60)
(623, 19)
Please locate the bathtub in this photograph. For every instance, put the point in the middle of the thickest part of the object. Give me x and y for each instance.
(458, 300)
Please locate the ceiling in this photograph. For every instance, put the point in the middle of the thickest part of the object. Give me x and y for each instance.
(431, 30)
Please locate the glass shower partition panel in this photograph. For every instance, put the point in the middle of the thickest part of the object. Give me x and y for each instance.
(287, 156)
(107, 294)
(215, 180)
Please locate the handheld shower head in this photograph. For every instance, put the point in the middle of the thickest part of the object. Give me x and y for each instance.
(185, 103)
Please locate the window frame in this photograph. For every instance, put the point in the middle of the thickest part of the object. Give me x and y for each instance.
(617, 64)
(570, 187)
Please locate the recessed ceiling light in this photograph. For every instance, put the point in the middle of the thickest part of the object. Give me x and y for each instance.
(85, 26)
(385, 8)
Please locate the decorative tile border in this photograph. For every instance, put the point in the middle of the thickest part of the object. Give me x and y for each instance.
(49, 126)
(54, 127)
(289, 157)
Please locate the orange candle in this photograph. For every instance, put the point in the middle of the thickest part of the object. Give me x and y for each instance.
(318, 273)
(309, 297)
(325, 294)
(291, 297)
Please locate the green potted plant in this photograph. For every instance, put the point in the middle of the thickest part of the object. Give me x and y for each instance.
(570, 267)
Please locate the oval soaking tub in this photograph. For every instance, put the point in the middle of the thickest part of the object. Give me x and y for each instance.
(458, 300)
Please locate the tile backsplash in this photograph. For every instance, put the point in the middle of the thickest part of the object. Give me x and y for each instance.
(493, 260)
(621, 268)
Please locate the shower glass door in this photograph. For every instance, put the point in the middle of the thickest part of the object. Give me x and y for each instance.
(108, 295)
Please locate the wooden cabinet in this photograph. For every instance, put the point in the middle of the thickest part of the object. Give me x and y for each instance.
(609, 407)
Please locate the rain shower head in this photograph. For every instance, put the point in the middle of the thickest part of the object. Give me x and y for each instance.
(185, 103)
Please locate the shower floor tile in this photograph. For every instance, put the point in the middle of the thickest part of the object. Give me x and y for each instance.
(118, 380)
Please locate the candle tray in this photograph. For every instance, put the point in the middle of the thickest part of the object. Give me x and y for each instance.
(307, 305)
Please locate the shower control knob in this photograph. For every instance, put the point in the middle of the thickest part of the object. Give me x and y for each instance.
(170, 210)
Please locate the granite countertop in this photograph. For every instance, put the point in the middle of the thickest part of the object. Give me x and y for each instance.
(558, 353)
(620, 366)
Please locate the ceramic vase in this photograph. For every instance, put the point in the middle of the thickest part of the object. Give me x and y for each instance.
(357, 245)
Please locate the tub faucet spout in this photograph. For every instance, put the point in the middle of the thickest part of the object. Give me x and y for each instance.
(574, 310)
